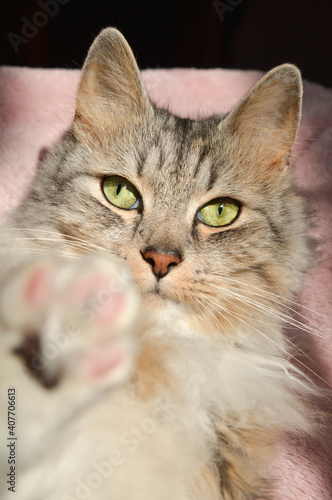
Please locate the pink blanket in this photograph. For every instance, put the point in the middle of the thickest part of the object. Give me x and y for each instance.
(36, 106)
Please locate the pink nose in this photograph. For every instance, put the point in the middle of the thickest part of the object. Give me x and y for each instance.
(161, 263)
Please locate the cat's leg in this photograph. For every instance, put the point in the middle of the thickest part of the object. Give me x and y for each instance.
(67, 336)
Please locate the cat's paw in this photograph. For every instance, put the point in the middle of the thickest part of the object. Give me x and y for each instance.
(74, 320)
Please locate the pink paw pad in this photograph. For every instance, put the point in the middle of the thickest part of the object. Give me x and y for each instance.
(104, 363)
(95, 295)
(38, 287)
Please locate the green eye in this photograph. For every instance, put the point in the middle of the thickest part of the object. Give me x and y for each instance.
(121, 192)
(218, 213)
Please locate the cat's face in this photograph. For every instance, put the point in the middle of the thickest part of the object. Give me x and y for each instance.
(213, 197)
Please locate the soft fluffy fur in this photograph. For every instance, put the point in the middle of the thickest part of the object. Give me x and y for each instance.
(212, 347)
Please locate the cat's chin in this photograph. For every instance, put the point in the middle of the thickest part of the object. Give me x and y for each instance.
(160, 307)
(177, 316)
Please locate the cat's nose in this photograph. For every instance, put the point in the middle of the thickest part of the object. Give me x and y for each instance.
(161, 262)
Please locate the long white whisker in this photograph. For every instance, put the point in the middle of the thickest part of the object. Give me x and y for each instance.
(274, 295)
(278, 314)
(36, 251)
(72, 244)
(270, 326)
(218, 311)
(85, 242)
(279, 347)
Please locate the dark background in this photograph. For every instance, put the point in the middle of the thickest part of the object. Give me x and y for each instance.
(244, 34)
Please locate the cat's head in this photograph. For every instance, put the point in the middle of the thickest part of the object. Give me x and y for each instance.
(203, 212)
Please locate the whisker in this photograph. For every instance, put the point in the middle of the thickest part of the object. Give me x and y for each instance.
(36, 251)
(80, 240)
(283, 350)
(61, 243)
(224, 317)
(273, 312)
(270, 326)
(275, 295)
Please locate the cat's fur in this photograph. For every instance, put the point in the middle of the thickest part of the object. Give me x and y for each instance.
(205, 384)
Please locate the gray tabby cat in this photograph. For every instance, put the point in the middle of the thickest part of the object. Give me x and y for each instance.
(173, 382)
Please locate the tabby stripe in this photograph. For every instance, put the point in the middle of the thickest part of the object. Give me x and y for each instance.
(273, 228)
(229, 230)
(212, 177)
(141, 163)
(161, 159)
(137, 223)
(108, 214)
(260, 270)
(202, 155)
(182, 126)
(61, 183)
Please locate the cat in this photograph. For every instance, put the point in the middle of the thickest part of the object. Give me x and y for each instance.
(144, 286)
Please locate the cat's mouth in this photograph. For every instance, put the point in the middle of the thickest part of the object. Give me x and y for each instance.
(156, 294)
(159, 297)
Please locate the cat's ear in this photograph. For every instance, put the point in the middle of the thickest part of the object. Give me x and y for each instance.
(110, 92)
(265, 122)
